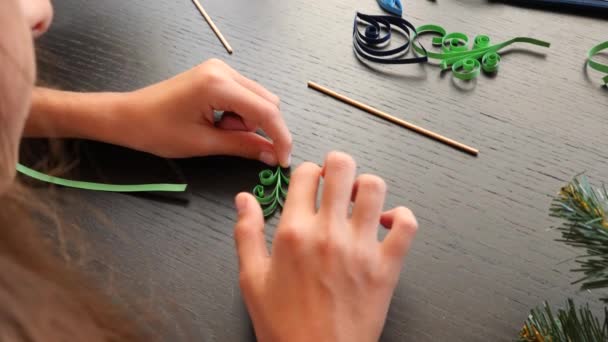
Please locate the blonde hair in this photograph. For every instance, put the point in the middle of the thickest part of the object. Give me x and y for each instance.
(45, 298)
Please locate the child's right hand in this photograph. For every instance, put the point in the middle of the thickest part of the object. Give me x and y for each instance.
(328, 277)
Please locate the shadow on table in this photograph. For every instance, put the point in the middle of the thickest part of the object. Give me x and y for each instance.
(220, 176)
(388, 70)
(588, 78)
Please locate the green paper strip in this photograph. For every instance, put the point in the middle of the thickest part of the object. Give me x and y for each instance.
(100, 186)
(456, 56)
(595, 65)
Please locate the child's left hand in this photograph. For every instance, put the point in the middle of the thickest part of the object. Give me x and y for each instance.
(175, 118)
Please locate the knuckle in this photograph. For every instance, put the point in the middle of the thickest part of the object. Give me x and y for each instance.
(276, 100)
(210, 75)
(270, 114)
(340, 160)
(375, 277)
(305, 170)
(242, 231)
(372, 183)
(289, 140)
(291, 236)
(273, 113)
(215, 62)
(328, 247)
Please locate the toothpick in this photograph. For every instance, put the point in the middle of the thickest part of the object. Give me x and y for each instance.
(403, 123)
(212, 25)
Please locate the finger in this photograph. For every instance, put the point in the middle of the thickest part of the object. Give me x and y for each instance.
(257, 88)
(248, 145)
(252, 107)
(228, 120)
(249, 234)
(339, 177)
(231, 122)
(369, 200)
(303, 188)
(402, 223)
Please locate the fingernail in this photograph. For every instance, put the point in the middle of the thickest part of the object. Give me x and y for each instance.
(241, 203)
(268, 158)
(289, 160)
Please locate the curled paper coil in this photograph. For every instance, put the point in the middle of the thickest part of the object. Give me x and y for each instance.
(372, 43)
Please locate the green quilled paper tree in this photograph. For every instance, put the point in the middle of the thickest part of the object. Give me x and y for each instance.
(584, 209)
(278, 182)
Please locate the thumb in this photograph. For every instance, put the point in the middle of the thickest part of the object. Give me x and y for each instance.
(249, 234)
(248, 145)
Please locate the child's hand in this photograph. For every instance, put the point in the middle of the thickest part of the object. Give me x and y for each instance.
(328, 277)
(175, 118)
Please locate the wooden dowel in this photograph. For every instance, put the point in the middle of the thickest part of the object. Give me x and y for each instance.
(212, 25)
(395, 120)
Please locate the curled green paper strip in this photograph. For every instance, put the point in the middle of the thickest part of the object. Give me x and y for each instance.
(100, 186)
(465, 63)
(481, 41)
(275, 179)
(595, 65)
(466, 69)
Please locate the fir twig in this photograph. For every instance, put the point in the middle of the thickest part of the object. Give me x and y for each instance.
(569, 325)
(584, 209)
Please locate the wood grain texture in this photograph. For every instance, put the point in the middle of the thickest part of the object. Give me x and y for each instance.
(484, 254)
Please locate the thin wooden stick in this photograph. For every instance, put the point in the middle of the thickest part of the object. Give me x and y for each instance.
(213, 27)
(395, 120)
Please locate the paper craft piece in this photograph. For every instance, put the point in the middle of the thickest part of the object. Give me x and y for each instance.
(391, 6)
(100, 186)
(371, 44)
(277, 180)
(596, 65)
(455, 54)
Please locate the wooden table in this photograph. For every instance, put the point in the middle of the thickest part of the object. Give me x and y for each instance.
(484, 254)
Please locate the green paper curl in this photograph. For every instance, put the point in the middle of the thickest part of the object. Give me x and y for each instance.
(596, 65)
(466, 69)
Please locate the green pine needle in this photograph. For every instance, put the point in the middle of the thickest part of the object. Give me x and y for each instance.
(584, 209)
(569, 325)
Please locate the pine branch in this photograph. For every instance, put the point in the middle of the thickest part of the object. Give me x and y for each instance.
(584, 208)
(569, 325)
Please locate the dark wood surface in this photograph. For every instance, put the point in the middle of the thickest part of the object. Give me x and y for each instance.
(484, 254)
